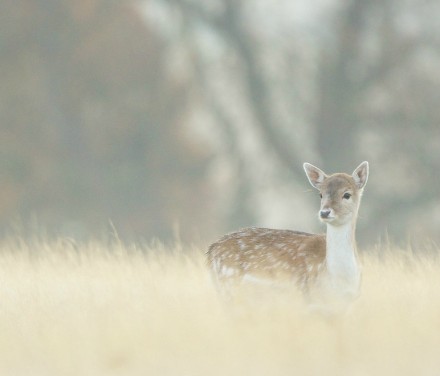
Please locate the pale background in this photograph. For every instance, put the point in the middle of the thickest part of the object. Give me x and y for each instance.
(178, 118)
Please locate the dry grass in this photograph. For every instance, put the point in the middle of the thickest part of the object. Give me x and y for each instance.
(69, 309)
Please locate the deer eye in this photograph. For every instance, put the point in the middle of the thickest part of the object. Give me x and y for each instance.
(320, 195)
(346, 195)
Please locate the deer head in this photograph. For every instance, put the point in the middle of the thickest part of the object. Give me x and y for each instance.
(340, 193)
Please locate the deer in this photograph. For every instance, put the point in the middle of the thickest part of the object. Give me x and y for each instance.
(322, 266)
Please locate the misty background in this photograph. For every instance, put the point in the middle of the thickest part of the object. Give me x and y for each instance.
(165, 118)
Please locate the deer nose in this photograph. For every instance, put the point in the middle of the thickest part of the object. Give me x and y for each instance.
(325, 213)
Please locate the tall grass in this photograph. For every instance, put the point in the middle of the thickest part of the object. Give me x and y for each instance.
(91, 309)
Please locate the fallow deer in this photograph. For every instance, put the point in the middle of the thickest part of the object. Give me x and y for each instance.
(323, 263)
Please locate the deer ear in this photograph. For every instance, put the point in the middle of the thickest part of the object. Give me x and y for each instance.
(315, 175)
(360, 175)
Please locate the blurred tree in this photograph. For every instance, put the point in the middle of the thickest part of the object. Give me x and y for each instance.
(360, 85)
(93, 123)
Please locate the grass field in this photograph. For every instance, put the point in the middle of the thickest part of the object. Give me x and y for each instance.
(69, 309)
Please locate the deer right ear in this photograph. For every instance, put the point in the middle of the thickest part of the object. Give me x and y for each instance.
(360, 175)
(315, 175)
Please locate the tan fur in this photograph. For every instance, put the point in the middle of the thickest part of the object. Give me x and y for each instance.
(268, 254)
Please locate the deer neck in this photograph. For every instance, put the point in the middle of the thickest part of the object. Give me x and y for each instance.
(341, 258)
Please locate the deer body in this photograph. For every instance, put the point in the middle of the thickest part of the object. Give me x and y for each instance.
(326, 263)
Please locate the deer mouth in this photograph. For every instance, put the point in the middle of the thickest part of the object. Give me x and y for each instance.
(327, 219)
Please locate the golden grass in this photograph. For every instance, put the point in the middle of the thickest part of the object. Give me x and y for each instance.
(69, 309)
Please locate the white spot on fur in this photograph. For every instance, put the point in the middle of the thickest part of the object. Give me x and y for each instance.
(228, 272)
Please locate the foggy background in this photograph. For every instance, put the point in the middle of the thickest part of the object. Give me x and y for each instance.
(185, 118)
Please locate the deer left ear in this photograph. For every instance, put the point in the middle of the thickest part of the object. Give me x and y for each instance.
(360, 175)
(315, 175)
